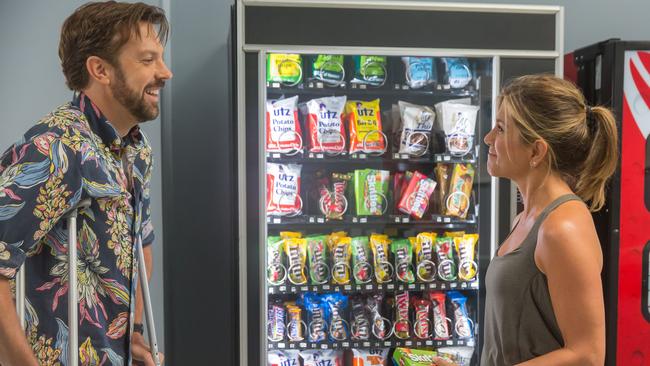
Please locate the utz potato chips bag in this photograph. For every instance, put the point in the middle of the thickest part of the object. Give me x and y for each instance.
(283, 189)
(417, 123)
(460, 189)
(283, 131)
(420, 71)
(370, 357)
(283, 358)
(370, 190)
(322, 357)
(326, 130)
(329, 69)
(364, 121)
(284, 68)
(369, 70)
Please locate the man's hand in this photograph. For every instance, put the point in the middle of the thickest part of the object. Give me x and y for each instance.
(440, 361)
(141, 352)
(14, 349)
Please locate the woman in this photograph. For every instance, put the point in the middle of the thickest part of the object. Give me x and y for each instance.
(544, 302)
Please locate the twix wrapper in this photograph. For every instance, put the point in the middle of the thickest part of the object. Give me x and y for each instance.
(421, 325)
(402, 325)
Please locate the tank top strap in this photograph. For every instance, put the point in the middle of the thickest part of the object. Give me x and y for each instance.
(547, 210)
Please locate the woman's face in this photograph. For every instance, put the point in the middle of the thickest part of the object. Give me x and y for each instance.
(508, 155)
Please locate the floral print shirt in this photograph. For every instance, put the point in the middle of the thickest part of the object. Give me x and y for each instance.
(72, 154)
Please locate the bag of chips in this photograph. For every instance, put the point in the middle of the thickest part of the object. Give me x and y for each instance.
(370, 189)
(460, 189)
(420, 71)
(459, 124)
(370, 357)
(322, 357)
(369, 70)
(326, 129)
(284, 68)
(283, 189)
(283, 358)
(283, 132)
(329, 69)
(417, 123)
(364, 121)
(459, 74)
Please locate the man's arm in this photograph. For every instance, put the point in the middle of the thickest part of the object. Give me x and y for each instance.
(14, 348)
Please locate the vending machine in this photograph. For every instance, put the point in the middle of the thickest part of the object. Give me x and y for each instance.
(367, 217)
(616, 74)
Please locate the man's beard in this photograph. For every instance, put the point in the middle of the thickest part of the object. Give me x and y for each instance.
(132, 100)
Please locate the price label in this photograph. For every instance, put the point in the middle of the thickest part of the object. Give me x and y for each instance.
(283, 288)
(406, 220)
(363, 220)
(276, 155)
(347, 287)
(311, 220)
(429, 343)
(368, 287)
(447, 158)
(320, 220)
(453, 285)
(389, 286)
(319, 156)
(326, 287)
(277, 220)
(323, 346)
(447, 220)
(303, 345)
(408, 343)
(282, 345)
(304, 288)
(411, 287)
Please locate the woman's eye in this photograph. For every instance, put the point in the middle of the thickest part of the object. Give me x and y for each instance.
(147, 61)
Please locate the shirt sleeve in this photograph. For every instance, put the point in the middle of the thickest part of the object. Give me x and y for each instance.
(147, 225)
(39, 182)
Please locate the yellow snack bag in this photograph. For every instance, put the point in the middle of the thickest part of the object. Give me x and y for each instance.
(424, 245)
(364, 119)
(296, 250)
(465, 249)
(460, 189)
(454, 234)
(290, 234)
(341, 255)
(379, 244)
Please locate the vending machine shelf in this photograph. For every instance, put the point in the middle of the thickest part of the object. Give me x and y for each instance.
(391, 343)
(373, 287)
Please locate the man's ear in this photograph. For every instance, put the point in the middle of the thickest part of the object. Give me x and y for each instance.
(99, 70)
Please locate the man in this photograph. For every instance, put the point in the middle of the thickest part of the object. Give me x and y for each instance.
(111, 55)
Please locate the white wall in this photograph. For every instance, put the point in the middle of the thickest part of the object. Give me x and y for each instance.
(32, 84)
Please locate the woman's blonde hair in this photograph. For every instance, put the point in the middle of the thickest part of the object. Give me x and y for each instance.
(582, 140)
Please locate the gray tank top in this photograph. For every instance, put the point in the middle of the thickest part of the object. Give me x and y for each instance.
(519, 320)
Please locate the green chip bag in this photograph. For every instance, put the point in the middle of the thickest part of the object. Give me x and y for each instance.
(284, 68)
(403, 254)
(413, 357)
(369, 70)
(361, 258)
(319, 271)
(370, 191)
(329, 69)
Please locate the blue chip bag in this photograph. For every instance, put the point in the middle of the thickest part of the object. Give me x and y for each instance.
(459, 73)
(420, 71)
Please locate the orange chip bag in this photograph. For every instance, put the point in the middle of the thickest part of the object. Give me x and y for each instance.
(364, 119)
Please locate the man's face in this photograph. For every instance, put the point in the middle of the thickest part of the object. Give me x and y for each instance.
(140, 73)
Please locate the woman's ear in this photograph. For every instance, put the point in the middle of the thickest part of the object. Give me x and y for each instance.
(538, 152)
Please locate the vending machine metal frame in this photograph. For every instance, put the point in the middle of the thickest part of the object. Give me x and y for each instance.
(506, 63)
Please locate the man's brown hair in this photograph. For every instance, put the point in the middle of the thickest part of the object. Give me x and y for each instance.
(101, 29)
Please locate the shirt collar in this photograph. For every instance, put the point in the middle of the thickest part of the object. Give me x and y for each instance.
(102, 127)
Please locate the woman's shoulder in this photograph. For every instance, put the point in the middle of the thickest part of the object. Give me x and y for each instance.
(568, 235)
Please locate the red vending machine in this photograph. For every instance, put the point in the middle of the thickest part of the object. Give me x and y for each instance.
(616, 73)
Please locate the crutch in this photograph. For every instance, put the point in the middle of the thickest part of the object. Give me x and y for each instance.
(148, 312)
(73, 342)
